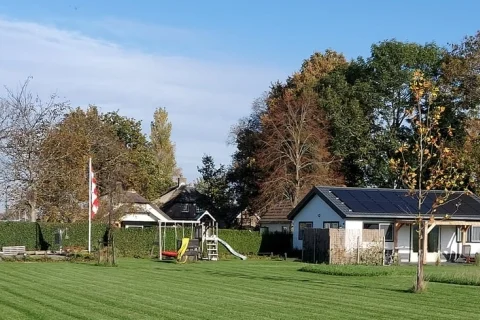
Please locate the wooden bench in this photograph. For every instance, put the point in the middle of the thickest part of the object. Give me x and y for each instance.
(13, 250)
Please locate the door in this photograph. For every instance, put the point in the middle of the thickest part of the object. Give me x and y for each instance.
(433, 244)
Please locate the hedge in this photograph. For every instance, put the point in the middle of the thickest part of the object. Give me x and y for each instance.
(132, 242)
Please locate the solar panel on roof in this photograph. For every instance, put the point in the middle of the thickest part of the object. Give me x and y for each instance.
(400, 202)
(392, 196)
(372, 207)
(389, 207)
(469, 200)
(343, 195)
(360, 195)
(356, 206)
(377, 196)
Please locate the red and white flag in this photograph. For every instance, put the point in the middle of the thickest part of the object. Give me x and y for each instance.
(94, 196)
(93, 201)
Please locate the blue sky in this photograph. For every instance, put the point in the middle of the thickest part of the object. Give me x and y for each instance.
(205, 61)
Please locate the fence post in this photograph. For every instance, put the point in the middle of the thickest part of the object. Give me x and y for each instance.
(329, 247)
(358, 249)
(383, 250)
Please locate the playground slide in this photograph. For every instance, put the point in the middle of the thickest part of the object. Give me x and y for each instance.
(230, 249)
(183, 248)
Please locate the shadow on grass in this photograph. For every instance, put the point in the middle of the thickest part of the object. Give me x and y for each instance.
(165, 261)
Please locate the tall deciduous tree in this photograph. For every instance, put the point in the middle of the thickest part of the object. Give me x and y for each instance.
(344, 96)
(145, 177)
(31, 119)
(164, 149)
(215, 190)
(387, 73)
(460, 80)
(245, 174)
(294, 149)
(427, 162)
(80, 135)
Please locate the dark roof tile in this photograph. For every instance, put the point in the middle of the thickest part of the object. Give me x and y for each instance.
(390, 203)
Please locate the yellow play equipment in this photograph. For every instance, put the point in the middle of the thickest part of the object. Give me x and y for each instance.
(183, 248)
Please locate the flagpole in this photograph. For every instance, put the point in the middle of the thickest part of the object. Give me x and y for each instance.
(89, 205)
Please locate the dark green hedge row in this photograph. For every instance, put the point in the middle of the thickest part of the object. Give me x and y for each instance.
(132, 242)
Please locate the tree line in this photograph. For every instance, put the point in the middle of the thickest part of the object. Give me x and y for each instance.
(332, 122)
(340, 122)
(45, 147)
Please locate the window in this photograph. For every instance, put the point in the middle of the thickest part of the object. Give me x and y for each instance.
(330, 225)
(388, 231)
(302, 226)
(387, 227)
(199, 209)
(473, 234)
(432, 240)
(184, 207)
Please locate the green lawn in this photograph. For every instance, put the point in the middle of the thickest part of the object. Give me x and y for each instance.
(144, 289)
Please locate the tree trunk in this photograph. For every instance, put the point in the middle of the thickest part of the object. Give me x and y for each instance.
(420, 282)
(33, 211)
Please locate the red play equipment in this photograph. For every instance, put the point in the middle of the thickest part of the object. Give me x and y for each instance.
(170, 253)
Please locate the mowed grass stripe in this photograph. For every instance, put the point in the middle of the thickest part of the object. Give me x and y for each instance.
(266, 301)
(43, 300)
(158, 305)
(234, 290)
(125, 304)
(374, 305)
(31, 307)
(22, 310)
(72, 295)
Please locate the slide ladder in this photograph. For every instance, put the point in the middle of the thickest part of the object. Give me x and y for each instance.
(212, 248)
(226, 245)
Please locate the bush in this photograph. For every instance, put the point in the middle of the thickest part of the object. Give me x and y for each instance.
(132, 242)
(454, 278)
(348, 270)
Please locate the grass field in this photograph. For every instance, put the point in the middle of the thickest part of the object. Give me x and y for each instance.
(144, 289)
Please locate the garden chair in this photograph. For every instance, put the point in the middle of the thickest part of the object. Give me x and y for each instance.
(466, 252)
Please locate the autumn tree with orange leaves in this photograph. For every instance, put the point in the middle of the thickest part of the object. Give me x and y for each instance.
(428, 163)
(294, 149)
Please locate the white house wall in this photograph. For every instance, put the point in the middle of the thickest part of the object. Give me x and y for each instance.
(354, 236)
(449, 247)
(276, 227)
(315, 211)
(403, 243)
(138, 217)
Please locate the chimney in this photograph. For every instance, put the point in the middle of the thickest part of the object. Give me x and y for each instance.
(182, 181)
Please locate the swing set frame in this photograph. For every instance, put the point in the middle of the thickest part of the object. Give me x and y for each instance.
(206, 230)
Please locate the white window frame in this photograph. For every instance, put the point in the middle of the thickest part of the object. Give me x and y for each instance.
(300, 230)
(330, 224)
(380, 224)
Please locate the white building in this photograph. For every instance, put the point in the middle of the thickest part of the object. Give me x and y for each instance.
(276, 219)
(394, 211)
(135, 211)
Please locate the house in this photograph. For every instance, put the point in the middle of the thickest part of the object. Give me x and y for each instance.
(245, 220)
(135, 211)
(180, 202)
(392, 210)
(276, 218)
